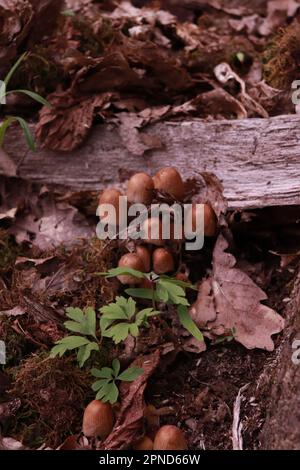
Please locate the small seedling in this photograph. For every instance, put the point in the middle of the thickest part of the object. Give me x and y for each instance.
(106, 388)
(120, 319)
(83, 322)
(165, 289)
(4, 125)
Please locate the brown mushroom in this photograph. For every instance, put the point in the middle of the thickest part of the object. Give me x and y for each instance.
(133, 261)
(163, 261)
(169, 437)
(140, 189)
(98, 419)
(169, 181)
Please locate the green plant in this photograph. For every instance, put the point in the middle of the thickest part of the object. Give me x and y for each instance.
(4, 125)
(165, 289)
(120, 319)
(83, 322)
(106, 387)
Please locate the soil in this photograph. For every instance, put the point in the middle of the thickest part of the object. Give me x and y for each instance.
(202, 390)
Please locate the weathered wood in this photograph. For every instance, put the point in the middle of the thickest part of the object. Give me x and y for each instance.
(258, 160)
(281, 430)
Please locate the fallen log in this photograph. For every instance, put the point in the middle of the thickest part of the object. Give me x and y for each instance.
(258, 160)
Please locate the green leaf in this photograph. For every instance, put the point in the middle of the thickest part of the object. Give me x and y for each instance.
(123, 271)
(3, 128)
(104, 324)
(127, 305)
(100, 384)
(8, 121)
(142, 316)
(134, 329)
(162, 293)
(116, 366)
(176, 293)
(188, 323)
(67, 344)
(74, 326)
(75, 313)
(118, 332)
(14, 67)
(104, 391)
(84, 352)
(104, 373)
(112, 394)
(185, 285)
(27, 133)
(113, 311)
(86, 323)
(73, 342)
(58, 350)
(141, 293)
(91, 321)
(130, 374)
(32, 95)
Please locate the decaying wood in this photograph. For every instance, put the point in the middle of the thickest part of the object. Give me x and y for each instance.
(258, 160)
(281, 430)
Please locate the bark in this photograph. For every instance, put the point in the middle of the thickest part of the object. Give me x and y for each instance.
(281, 430)
(257, 159)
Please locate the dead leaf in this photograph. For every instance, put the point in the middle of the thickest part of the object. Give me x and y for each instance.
(14, 312)
(67, 123)
(229, 301)
(51, 224)
(7, 165)
(16, 19)
(8, 443)
(278, 12)
(129, 424)
(10, 214)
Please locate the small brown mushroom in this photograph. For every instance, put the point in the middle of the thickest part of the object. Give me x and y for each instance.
(111, 196)
(209, 219)
(169, 437)
(163, 261)
(98, 419)
(144, 253)
(169, 181)
(140, 189)
(152, 231)
(133, 261)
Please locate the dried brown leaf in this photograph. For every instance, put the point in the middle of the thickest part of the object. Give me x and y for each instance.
(67, 123)
(229, 301)
(128, 427)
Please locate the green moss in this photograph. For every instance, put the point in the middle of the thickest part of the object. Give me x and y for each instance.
(282, 57)
(54, 393)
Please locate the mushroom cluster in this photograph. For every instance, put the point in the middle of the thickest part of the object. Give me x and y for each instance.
(154, 252)
(98, 422)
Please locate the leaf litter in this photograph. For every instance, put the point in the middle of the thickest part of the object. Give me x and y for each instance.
(129, 66)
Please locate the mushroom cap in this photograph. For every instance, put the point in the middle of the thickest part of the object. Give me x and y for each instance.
(140, 189)
(133, 261)
(98, 419)
(163, 261)
(169, 437)
(152, 231)
(144, 253)
(111, 196)
(169, 181)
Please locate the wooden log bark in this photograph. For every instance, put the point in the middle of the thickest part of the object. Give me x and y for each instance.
(258, 160)
(281, 430)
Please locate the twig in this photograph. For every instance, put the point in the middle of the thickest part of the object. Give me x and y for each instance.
(237, 425)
